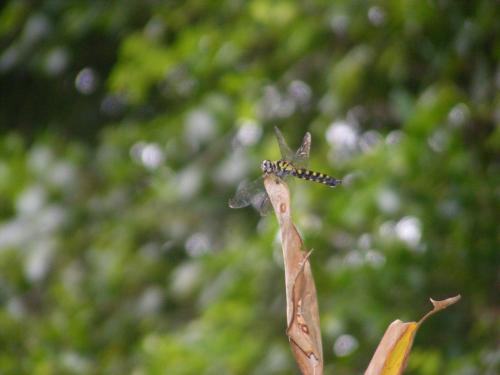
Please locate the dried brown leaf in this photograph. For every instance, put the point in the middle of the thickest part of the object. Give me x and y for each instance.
(302, 305)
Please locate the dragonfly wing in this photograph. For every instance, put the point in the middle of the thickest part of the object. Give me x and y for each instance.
(262, 203)
(286, 152)
(301, 157)
(246, 193)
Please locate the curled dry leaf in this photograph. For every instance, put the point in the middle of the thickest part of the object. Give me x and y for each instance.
(392, 353)
(302, 305)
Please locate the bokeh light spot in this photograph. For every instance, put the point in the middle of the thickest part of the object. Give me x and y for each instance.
(249, 132)
(459, 115)
(345, 345)
(409, 230)
(376, 16)
(86, 81)
(56, 61)
(198, 244)
(342, 135)
(388, 201)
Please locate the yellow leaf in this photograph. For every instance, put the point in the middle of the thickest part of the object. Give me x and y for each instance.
(399, 353)
(393, 350)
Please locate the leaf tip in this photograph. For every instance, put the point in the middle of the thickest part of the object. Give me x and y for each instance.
(442, 304)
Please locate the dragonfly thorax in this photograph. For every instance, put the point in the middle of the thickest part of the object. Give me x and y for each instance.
(280, 168)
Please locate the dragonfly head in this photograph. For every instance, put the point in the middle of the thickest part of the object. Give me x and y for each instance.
(267, 166)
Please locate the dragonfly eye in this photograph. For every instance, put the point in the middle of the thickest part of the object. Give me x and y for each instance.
(266, 166)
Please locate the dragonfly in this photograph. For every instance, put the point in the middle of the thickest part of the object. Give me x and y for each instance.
(291, 164)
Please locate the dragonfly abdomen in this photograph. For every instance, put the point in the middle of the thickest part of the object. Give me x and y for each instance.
(322, 178)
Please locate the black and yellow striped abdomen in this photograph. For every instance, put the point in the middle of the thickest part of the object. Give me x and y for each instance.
(283, 168)
(322, 178)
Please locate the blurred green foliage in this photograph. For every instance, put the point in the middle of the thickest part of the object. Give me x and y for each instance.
(126, 126)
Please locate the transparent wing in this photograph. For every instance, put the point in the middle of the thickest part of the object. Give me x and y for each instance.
(286, 152)
(301, 157)
(262, 203)
(246, 193)
(251, 193)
